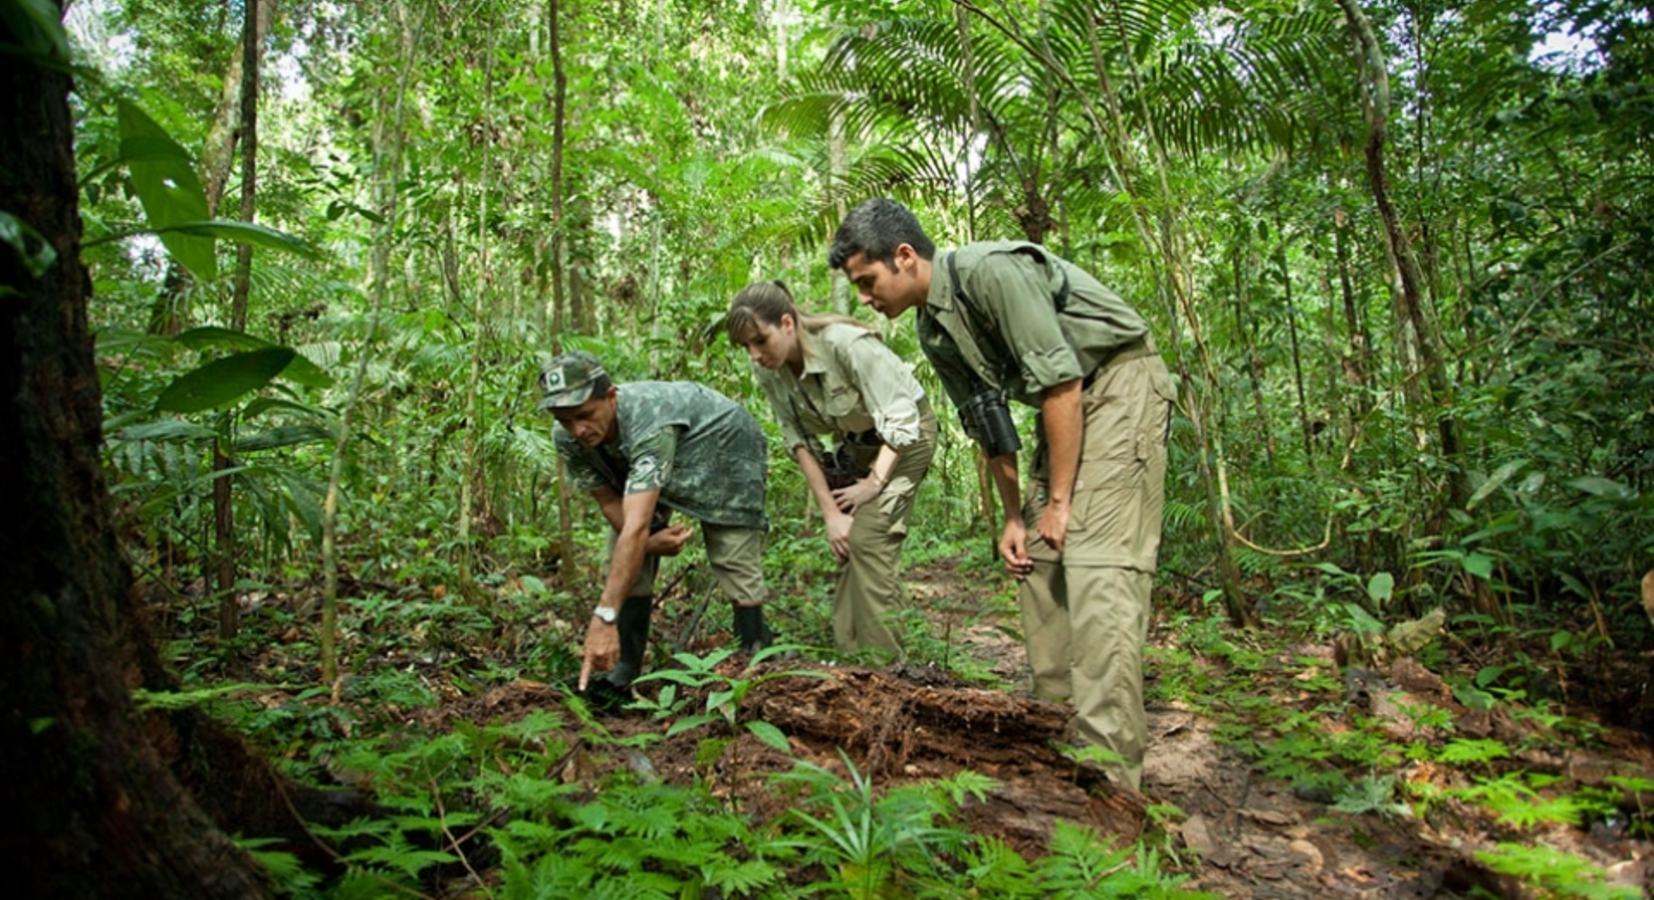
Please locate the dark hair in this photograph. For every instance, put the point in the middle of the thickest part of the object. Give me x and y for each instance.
(600, 386)
(875, 229)
(767, 302)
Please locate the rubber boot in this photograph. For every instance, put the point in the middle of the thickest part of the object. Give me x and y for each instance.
(633, 626)
(751, 634)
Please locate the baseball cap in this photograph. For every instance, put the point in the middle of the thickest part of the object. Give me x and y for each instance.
(568, 379)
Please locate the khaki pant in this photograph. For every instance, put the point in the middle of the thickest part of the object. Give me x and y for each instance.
(869, 588)
(1086, 611)
(735, 554)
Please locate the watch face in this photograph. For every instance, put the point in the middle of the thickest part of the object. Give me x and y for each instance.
(605, 613)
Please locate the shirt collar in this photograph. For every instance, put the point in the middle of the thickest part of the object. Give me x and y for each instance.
(940, 295)
(814, 363)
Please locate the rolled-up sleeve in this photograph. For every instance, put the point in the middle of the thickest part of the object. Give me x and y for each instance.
(887, 387)
(1015, 291)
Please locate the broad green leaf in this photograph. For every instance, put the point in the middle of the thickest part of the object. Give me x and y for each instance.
(1363, 621)
(1478, 564)
(243, 233)
(688, 723)
(212, 337)
(168, 189)
(304, 496)
(770, 735)
(283, 436)
(325, 354)
(224, 381)
(263, 405)
(153, 149)
(1575, 585)
(719, 700)
(303, 371)
(167, 430)
(1381, 587)
(37, 27)
(18, 234)
(1499, 477)
(300, 371)
(1602, 487)
(116, 340)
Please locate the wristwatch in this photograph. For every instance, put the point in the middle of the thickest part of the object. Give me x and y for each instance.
(607, 614)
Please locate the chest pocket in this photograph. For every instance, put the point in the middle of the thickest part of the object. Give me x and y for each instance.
(842, 400)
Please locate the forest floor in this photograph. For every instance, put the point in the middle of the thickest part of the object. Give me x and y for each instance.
(1221, 799)
(1270, 773)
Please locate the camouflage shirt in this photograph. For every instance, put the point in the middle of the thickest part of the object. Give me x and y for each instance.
(700, 449)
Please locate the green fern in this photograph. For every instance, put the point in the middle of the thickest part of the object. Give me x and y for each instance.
(1375, 793)
(1554, 873)
(290, 876)
(1465, 751)
(1083, 864)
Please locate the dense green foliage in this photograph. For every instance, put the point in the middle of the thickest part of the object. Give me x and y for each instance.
(1346, 455)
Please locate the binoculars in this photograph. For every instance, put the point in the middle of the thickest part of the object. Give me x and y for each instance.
(988, 418)
(837, 466)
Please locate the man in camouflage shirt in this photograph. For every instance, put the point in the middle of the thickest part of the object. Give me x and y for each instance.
(643, 450)
(1012, 320)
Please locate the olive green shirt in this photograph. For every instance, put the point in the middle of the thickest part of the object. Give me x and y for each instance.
(703, 451)
(1008, 332)
(851, 383)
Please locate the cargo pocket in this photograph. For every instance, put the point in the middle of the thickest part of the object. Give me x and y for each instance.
(1033, 511)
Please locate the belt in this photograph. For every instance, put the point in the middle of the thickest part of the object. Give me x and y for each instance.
(1136, 349)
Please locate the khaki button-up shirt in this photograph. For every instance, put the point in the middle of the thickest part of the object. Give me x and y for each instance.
(851, 383)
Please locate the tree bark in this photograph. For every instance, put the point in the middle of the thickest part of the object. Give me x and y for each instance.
(217, 155)
(223, 495)
(1254, 362)
(218, 150)
(559, 97)
(1285, 271)
(1375, 90)
(91, 807)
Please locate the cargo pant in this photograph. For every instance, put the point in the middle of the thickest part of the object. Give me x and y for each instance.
(736, 556)
(869, 587)
(1085, 612)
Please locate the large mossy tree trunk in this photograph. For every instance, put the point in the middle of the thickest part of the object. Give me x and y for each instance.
(91, 807)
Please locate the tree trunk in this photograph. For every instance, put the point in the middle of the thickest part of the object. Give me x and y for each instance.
(1254, 362)
(223, 496)
(1175, 291)
(91, 808)
(565, 509)
(217, 154)
(389, 136)
(1304, 422)
(1375, 89)
(218, 150)
(1355, 361)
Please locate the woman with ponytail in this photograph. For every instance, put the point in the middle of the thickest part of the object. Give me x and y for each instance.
(832, 375)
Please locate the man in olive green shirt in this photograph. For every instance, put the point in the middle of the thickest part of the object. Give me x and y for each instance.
(1012, 320)
(643, 450)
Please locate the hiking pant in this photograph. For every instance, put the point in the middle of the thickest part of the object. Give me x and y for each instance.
(1085, 611)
